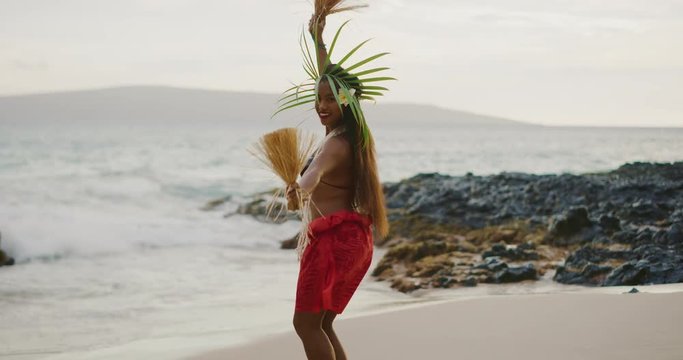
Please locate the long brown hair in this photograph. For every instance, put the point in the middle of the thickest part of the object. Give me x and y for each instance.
(368, 195)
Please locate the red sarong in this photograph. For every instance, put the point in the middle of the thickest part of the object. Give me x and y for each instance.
(334, 262)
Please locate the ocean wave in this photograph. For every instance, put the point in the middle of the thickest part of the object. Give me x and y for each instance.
(51, 235)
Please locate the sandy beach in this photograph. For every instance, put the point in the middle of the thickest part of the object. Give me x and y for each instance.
(576, 326)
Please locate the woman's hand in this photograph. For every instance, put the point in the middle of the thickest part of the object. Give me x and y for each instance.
(292, 193)
(316, 26)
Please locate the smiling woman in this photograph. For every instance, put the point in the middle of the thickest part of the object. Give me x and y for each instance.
(326, 105)
(343, 196)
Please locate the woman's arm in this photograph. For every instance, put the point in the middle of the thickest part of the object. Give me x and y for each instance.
(332, 153)
(315, 28)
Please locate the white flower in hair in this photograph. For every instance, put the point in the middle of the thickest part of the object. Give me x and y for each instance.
(343, 99)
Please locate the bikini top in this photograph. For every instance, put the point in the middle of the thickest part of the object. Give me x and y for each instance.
(308, 163)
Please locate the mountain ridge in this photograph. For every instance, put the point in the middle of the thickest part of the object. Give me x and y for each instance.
(180, 104)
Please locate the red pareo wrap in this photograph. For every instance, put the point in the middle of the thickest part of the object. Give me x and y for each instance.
(334, 263)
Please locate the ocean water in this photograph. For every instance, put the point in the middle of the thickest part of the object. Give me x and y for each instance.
(116, 259)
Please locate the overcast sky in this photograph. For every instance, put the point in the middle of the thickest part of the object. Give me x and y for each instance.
(573, 62)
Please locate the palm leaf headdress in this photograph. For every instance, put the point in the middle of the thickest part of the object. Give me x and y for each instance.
(349, 85)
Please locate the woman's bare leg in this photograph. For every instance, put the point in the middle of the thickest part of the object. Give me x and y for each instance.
(308, 326)
(327, 327)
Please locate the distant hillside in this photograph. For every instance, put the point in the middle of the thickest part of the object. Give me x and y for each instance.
(161, 104)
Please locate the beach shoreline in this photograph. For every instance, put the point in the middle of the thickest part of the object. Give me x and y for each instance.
(513, 325)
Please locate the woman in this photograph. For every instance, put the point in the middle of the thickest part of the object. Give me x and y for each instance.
(343, 184)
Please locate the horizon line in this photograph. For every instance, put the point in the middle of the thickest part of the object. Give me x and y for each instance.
(185, 87)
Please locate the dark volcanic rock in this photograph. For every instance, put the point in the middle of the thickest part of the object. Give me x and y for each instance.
(5, 260)
(512, 252)
(589, 274)
(571, 227)
(655, 257)
(290, 243)
(630, 273)
(589, 254)
(642, 193)
(258, 205)
(603, 221)
(405, 285)
(469, 281)
(609, 224)
(216, 203)
(501, 272)
(514, 274)
(492, 263)
(649, 264)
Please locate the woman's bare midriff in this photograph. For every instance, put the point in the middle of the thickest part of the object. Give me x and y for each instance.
(329, 199)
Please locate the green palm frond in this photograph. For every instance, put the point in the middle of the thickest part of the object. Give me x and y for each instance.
(365, 72)
(282, 108)
(375, 93)
(298, 86)
(297, 91)
(295, 97)
(350, 53)
(342, 80)
(334, 43)
(333, 81)
(308, 59)
(365, 61)
(298, 99)
(370, 87)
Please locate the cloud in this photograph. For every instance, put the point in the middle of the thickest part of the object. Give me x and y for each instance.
(477, 55)
(29, 65)
(579, 24)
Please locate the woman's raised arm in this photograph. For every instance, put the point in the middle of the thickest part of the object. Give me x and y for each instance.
(315, 27)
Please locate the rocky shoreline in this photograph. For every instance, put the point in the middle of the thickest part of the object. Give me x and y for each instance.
(5, 260)
(621, 227)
